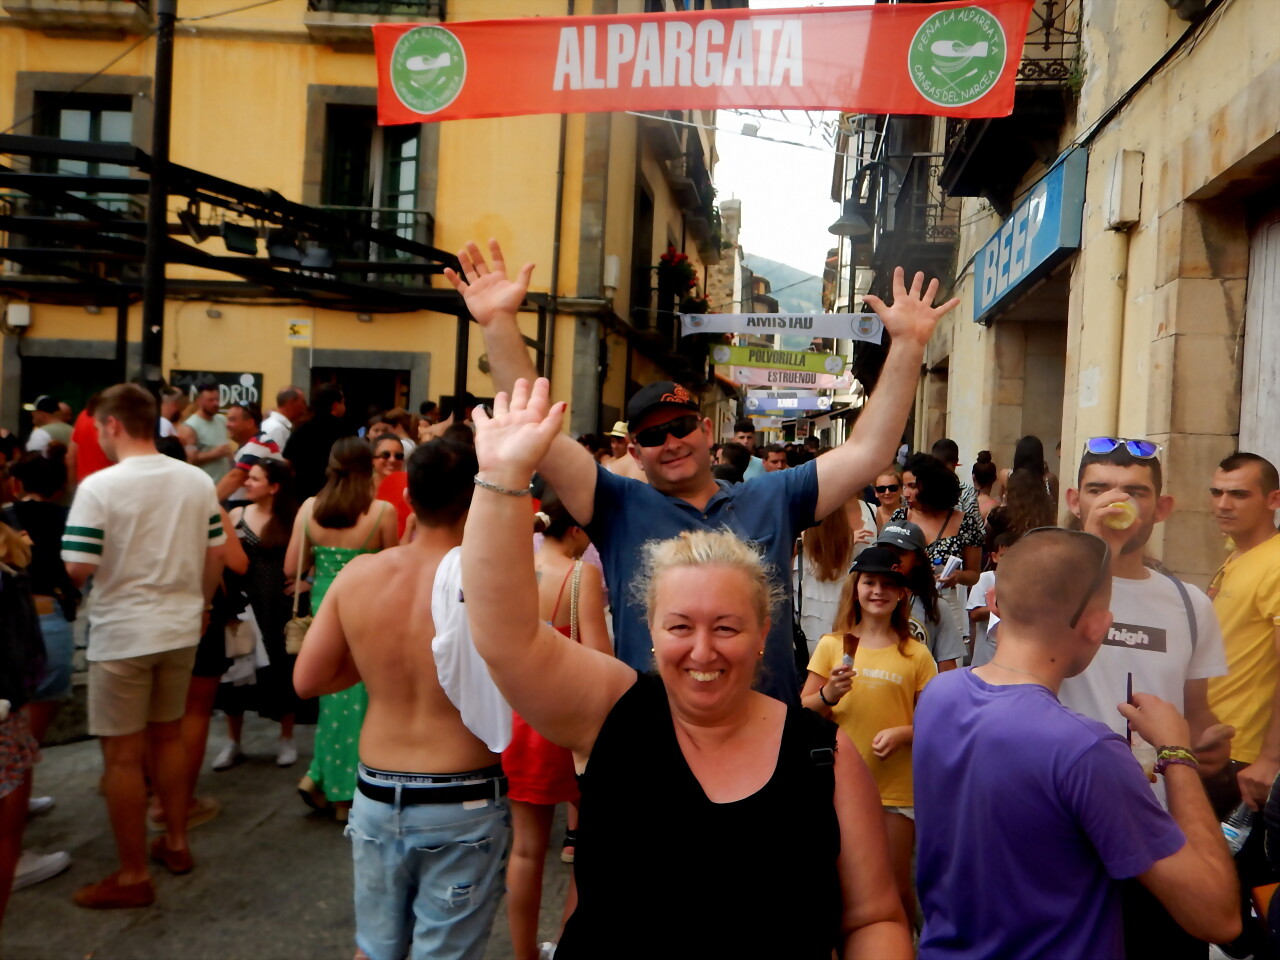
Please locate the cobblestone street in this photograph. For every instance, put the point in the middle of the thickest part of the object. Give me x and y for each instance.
(272, 880)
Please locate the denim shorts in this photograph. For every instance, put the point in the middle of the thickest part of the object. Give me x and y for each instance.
(59, 650)
(428, 877)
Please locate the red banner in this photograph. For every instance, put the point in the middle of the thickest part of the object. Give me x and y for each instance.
(944, 59)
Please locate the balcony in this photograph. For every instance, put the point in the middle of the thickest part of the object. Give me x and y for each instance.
(989, 157)
(691, 187)
(344, 24)
(79, 18)
(918, 225)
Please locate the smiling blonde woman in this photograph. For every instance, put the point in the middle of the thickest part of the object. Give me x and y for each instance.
(688, 754)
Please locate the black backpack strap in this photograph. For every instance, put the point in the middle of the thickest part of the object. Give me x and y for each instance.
(1192, 624)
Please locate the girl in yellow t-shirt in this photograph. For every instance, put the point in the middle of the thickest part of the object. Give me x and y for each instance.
(874, 699)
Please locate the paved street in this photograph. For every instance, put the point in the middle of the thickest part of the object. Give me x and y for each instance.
(272, 880)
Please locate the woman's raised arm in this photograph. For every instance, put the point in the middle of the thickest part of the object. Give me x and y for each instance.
(562, 689)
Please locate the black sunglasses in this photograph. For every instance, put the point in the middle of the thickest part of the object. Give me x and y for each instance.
(388, 456)
(887, 488)
(1099, 576)
(679, 428)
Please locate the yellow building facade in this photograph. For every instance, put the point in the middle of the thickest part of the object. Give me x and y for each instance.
(281, 97)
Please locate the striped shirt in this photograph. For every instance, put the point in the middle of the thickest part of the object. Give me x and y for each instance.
(146, 523)
(259, 448)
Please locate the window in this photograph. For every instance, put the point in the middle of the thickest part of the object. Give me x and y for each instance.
(371, 174)
(93, 118)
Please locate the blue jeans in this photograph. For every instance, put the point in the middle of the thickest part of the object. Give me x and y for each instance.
(428, 877)
(59, 649)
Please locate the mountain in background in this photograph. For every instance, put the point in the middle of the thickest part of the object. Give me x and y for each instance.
(795, 290)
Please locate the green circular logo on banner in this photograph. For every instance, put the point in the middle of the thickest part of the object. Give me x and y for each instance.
(428, 69)
(957, 56)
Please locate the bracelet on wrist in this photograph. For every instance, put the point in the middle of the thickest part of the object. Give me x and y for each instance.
(505, 491)
(822, 696)
(1170, 756)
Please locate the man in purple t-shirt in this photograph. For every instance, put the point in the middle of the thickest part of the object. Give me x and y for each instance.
(1028, 814)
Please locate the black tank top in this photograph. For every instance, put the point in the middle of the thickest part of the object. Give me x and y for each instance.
(663, 871)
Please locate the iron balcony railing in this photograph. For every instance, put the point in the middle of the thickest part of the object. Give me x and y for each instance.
(407, 224)
(921, 210)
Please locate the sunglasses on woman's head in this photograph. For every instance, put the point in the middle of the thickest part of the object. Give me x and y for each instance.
(887, 488)
(388, 455)
(679, 428)
(1142, 449)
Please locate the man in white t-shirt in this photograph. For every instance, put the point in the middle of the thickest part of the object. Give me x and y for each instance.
(149, 531)
(291, 407)
(1164, 633)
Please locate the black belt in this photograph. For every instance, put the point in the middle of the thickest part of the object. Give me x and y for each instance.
(411, 794)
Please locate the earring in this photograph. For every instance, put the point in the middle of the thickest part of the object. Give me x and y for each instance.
(760, 653)
(653, 650)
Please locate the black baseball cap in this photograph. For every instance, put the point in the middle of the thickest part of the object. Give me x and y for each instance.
(664, 393)
(879, 560)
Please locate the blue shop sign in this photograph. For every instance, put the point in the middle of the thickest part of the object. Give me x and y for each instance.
(1041, 232)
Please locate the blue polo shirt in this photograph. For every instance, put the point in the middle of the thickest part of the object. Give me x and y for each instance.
(769, 511)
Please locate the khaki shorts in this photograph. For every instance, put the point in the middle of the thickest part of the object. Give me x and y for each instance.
(125, 695)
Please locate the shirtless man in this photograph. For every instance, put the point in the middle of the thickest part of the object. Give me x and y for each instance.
(430, 772)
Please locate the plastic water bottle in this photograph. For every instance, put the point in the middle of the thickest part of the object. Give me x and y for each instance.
(1237, 827)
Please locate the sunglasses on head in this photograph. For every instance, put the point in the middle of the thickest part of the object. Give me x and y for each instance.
(1142, 449)
(679, 428)
(387, 455)
(1099, 546)
(887, 488)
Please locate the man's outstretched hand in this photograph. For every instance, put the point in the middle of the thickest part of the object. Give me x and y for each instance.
(913, 316)
(488, 291)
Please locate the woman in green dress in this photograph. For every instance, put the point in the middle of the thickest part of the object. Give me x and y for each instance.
(340, 522)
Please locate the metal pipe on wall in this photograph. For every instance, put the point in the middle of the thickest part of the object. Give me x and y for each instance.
(548, 356)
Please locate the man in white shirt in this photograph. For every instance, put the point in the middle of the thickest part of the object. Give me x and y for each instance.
(149, 531)
(291, 407)
(49, 427)
(1164, 633)
(173, 400)
(744, 432)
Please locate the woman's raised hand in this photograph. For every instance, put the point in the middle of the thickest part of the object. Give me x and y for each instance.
(515, 439)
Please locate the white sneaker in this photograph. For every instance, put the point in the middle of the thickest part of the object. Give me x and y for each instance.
(35, 868)
(546, 951)
(286, 753)
(39, 806)
(228, 757)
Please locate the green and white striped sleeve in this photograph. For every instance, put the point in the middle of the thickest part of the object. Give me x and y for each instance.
(83, 538)
(217, 536)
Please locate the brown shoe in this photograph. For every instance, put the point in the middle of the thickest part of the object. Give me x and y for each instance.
(111, 894)
(176, 862)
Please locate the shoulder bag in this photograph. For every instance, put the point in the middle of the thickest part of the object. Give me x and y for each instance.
(295, 631)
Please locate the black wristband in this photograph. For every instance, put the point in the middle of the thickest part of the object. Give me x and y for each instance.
(823, 698)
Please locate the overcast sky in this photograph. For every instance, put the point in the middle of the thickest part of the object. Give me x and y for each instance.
(785, 190)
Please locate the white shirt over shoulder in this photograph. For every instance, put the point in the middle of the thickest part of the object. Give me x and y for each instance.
(146, 523)
(463, 675)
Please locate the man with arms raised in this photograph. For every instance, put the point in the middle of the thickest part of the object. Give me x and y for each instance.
(1164, 635)
(672, 442)
(1029, 813)
(430, 771)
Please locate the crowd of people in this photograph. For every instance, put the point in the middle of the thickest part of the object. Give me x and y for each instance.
(914, 690)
